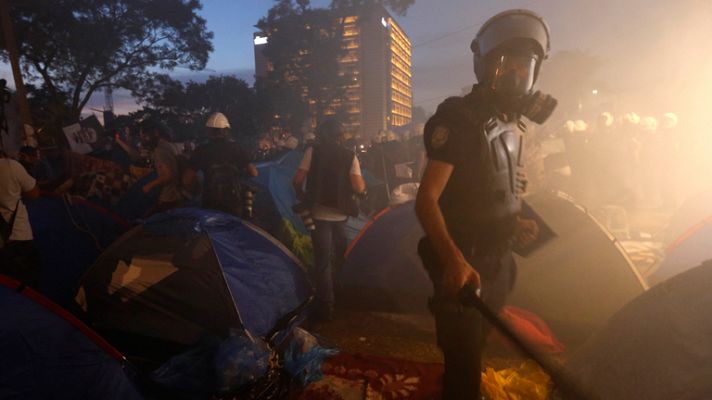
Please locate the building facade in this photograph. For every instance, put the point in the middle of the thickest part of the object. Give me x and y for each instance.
(377, 55)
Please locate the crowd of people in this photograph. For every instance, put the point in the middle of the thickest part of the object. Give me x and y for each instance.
(628, 161)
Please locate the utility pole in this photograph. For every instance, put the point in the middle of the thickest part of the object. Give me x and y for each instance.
(11, 47)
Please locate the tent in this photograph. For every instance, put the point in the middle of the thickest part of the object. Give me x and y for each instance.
(69, 233)
(49, 354)
(690, 248)
(186, 274)
(657, 347)
(275, 197)
(574, 281)
(692, 211)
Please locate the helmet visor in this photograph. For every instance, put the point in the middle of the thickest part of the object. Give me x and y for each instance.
(513, 74)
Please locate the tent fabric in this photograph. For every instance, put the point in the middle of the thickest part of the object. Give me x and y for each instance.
(69, 234)
(657, 347)
(690, 248)
(49, 355)
(276, 194)
(190, 272)
(575, 281)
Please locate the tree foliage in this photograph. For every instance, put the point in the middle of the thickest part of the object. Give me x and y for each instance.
(399, 7)
(570, 76)
(304, 46)
(76, 47)
(186, 107)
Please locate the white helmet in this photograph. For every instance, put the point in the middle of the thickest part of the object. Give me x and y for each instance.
(606, 119)
(669, 120)
(649, 123)
(580, 125)
(570, 125)
(631, 118)
(217, 120)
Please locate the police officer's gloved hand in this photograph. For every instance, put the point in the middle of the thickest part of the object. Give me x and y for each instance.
(538, 107)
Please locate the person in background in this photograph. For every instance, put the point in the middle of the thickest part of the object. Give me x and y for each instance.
(18, 257)
(164, 157)
(333, 176)
(219, 149)
(223, 163)
(36, 166)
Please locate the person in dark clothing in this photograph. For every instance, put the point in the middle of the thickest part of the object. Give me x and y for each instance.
(333, 176)
(223, 163)
(35, 165)
(469, 198)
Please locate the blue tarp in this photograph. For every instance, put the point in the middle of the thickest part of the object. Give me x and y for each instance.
(275, 182)
(43, 356)
(276, 193)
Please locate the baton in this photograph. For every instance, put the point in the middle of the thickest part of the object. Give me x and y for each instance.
(565, 382)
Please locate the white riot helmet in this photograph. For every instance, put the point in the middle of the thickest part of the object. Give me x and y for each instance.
(580, 125)
(649, 124)
(509, 49)
(217, 120)
(605, 119)
(668, 121)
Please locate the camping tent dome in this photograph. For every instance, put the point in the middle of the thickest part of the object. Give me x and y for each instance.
(188, 273)
(575, 281)
(47, 353)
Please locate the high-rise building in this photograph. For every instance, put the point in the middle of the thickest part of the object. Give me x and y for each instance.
(377, 54)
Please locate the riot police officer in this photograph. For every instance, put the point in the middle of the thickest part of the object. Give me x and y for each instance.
(469, 198)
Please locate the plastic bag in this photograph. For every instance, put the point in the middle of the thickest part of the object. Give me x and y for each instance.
(190, 371)
(303, 357)
(240, 360)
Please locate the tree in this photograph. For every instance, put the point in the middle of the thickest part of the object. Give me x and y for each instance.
(419, 115)
(570, 76)
(76, 47)
(186, 107)
(397, 6)
(305, 79)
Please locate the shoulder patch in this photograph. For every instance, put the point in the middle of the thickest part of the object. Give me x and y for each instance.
(440, 135)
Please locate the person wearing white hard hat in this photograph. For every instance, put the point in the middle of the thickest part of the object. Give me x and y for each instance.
(220, 149)
(223, 163)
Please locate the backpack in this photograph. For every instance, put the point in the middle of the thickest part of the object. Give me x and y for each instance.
(223, 190)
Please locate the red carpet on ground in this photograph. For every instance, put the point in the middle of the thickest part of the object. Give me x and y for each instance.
(358, 377)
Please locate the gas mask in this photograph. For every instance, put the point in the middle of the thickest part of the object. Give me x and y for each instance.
(511, 75)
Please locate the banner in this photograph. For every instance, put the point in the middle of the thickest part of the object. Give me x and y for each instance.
(84, 136)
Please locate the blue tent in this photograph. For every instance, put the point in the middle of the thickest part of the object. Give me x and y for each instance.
(45, 353)
(190, 273)
(275, 197)
(69, 233)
